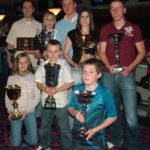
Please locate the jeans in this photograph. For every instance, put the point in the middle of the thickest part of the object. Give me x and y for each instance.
(123, 89)
(31, 130)
(63, 123)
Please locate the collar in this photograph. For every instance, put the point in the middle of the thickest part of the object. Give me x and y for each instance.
(73, 19)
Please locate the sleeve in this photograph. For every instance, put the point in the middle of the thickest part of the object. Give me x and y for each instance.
(40, 74)
(67, 74)
(58, 37)
(36, 96)
(103, 34)
(8, 102)
(11, 35)
(109, 104)
(137, 35)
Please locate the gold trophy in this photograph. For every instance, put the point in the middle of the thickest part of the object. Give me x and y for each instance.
(84, 45)
(13, 93)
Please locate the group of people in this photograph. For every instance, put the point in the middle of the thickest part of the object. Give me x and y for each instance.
(86, 63)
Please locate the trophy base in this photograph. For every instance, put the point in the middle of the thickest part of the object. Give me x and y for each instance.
(117, 69)
(16, 117)
(50, 106)
(81, 133)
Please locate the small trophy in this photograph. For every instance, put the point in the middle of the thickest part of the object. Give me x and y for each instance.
(84, 42)
(116, 38)
(52, 73)
(13, 93)
(84, 98)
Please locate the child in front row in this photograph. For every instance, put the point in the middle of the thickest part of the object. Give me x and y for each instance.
(101, 112)
(30, 97)
(59, 93)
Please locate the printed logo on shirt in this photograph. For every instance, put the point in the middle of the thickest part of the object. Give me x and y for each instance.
(128, 31)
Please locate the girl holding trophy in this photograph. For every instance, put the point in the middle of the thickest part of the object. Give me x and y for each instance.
(48, 32)
(26, 99)
(84, 42)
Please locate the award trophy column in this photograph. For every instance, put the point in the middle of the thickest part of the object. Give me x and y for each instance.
(52, 74)
(13, 93)
(116, 38)
(84, 98)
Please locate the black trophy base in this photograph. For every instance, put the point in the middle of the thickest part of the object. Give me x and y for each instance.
(81, 133)
(117, 69)
(50, 105)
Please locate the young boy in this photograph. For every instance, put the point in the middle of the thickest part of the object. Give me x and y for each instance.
(59, 93)
(101, 112)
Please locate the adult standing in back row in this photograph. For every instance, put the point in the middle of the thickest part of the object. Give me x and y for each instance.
(69, 21)
(131, 53)
(24, 28)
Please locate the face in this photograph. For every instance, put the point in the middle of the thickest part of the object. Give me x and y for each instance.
(28, 9)
(23, 64)
(50, 22)
(53, 53)
(69, 7)
(85, 19)
(117, 11)
(90, 75)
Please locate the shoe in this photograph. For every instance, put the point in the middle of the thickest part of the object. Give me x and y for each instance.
(40, 148)
(110, 145)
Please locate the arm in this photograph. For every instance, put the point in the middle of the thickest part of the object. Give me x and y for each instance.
(54, 90)
(66, 50)
(76, 114)
(141, 54)
(103, 57)
(9, 62)
(104, 125)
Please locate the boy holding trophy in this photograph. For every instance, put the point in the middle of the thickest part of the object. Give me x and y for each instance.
(98, 113)
(54, 79)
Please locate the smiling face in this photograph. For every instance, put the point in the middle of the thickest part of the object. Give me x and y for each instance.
(117, 10)
(84, 19)
(90, 75)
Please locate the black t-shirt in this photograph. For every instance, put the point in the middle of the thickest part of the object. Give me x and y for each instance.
(77, 45)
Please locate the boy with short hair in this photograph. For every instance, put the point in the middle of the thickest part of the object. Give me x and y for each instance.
(57, 92)
(101, 112)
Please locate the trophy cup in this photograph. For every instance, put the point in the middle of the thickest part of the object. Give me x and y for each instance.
(116, 38)
(84, 98)
(13, 93)
(52, 73)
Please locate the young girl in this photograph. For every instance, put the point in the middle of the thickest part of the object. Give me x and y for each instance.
(48, 32)
(30, 96)
(84, 42)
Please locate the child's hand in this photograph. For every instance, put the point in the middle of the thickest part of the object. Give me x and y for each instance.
(50, 91)
(23, 115)
(90, 133)
(10, 115)
(80, 116)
